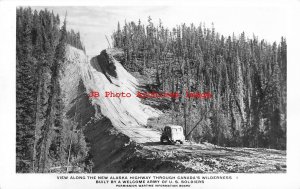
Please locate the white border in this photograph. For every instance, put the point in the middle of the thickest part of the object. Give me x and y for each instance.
(8, 177)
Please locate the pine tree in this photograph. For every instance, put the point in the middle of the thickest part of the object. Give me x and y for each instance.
(236, 69)
(25, 91)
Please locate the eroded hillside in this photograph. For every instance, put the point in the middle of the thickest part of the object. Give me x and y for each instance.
(116, 127)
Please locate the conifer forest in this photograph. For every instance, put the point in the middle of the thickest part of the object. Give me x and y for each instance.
(246, 77)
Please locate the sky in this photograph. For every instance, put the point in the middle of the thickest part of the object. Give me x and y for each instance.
(96, 22)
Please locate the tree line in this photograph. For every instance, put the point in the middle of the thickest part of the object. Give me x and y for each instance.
(247, 78)
(45, 138)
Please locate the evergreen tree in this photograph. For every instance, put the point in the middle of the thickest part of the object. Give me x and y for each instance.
(239, 72)
(40, 51)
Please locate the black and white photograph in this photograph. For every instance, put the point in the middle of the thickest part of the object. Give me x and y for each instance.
(187, 94)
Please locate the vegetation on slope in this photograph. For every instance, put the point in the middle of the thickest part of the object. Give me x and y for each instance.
(247, 78)
(45, 137)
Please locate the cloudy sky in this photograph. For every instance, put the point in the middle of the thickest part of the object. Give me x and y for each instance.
(94, 23)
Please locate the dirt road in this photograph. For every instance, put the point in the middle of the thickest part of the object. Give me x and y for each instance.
(208, 158)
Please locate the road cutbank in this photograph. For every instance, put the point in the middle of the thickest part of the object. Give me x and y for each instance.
(114, 152)
(110, 150)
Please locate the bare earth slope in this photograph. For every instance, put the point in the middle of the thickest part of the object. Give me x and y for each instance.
(115, 127)
(127, 114)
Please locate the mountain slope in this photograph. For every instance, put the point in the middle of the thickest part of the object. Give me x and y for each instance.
(127, 114)
(115, 126)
